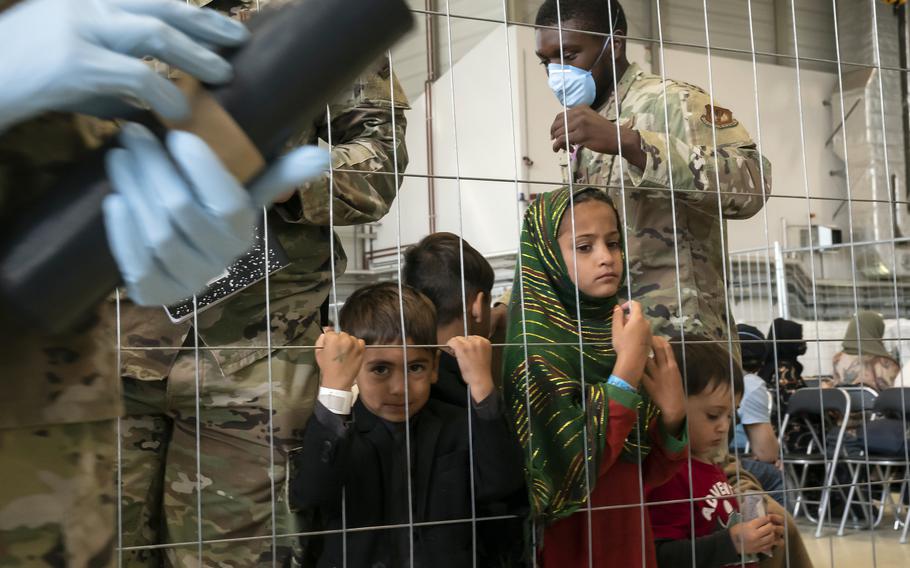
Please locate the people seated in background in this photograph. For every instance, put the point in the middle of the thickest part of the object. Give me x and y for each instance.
(459, 282)
(594, 424)
(710, 527)
(754, 440)
(864, 360)
(782, 371)
(399, 456)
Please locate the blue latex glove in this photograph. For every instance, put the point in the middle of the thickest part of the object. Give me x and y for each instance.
(74, 53)
(177, 218)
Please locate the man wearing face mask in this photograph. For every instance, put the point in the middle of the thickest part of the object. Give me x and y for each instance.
(671, 155)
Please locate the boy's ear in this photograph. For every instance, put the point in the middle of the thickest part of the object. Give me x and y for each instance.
(477, 306)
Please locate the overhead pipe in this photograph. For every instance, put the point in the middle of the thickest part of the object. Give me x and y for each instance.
(432, 70)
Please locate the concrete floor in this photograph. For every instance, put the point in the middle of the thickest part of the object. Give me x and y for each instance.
(856, 549)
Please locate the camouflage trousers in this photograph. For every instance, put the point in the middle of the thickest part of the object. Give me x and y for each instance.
(238, 483)
(57, 495)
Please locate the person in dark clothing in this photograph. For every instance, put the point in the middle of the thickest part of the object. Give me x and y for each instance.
(782, 371)
(437, 266)
(782, 366)
(754, 429)
(399, 457)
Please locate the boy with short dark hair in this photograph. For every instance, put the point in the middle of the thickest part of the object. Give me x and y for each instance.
(399, 456)
(459, 282)
(434, 267)
(711, 522)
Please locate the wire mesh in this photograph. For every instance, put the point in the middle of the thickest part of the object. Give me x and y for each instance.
(481, 113)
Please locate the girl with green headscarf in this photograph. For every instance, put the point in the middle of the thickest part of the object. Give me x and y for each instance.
(864, 360)
(576, 402)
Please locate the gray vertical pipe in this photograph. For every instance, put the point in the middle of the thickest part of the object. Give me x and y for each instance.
(432, 70)
(904, 42)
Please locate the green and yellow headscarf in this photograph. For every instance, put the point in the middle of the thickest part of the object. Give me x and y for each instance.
(543, 382)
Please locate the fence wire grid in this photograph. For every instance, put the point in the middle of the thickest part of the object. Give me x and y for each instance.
(832, 240)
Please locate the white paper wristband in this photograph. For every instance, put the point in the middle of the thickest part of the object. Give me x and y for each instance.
(337, 401)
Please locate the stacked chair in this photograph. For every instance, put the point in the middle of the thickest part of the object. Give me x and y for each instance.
(821, 414)
(884, 460)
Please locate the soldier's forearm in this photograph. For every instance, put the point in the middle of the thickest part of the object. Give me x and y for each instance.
(363, 186)
(731, 170)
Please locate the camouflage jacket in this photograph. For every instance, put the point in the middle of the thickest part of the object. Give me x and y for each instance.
(688, 162)
(71, 377)
(363, 187)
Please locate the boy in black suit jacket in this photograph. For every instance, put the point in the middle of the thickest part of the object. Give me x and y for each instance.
(459, 281)
(404, 459)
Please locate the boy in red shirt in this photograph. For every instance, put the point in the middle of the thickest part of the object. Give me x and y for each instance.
(697, 521)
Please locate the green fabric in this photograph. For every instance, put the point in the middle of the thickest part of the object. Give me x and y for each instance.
(547, 374)
(869, 339)
(627, 398)
(674, 444)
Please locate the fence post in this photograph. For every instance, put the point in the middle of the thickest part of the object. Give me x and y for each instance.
(780, 273)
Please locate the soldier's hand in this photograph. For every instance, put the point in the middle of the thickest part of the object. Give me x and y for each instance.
(586, 127)
(665, 385)
(339, 357)
(632, 342)
(475, 356)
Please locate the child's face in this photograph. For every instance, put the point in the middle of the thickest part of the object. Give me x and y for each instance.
(382, 381)
(597, 253)
(709, 414)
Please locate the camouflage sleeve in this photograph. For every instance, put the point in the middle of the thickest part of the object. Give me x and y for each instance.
(734, 166)
(367, 134)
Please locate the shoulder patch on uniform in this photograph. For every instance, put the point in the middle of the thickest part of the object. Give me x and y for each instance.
(719, 117)
(689, 87)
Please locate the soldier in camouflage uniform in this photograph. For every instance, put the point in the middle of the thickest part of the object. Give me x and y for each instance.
(238, 382)
(61, 400)
(679, 152)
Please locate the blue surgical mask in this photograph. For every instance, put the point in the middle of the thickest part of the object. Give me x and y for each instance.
(571, 85)
(576, 83)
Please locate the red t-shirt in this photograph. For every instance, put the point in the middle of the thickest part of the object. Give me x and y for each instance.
(713, 503)
(711, 508)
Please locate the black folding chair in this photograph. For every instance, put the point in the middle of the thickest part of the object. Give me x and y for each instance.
(862, 399)
(812, 382)
(863, 405)
(891, 467)
(819, 411)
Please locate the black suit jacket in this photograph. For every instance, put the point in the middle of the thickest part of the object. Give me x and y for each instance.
(356, 456)
(450, 387)
(501, 542)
